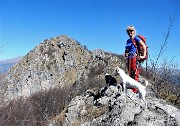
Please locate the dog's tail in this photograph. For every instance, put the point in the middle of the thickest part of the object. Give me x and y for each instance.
(146, 82)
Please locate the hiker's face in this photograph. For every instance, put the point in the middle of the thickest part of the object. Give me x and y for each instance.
(131, 33)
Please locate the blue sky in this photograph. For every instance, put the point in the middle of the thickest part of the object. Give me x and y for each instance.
(94, 23)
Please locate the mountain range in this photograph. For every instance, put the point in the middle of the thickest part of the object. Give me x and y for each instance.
(5, 65)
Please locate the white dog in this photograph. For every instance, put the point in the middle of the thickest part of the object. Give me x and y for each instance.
(129, 82)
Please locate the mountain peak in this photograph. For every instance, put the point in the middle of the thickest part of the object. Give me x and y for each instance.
(56, 62)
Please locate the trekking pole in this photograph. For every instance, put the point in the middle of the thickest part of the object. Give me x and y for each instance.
(146, 68)
(129, 66)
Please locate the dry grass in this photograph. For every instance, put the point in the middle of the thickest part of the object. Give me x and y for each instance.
(34, 111)
(163, 88)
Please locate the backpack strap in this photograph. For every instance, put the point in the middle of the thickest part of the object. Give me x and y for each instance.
(135, 44)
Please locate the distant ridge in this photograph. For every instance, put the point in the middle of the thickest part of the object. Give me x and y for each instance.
(5, 65)
(12, 60)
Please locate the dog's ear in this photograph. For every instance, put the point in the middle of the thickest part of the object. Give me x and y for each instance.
(117, 68)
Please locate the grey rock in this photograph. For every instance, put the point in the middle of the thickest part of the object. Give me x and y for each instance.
(122, 111)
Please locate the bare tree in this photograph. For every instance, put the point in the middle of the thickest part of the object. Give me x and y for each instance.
(154, 63)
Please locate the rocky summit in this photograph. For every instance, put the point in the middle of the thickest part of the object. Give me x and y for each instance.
(113, 108)
(63, 63)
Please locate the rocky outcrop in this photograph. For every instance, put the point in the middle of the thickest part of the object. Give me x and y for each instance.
(113, 108)
(56, 62)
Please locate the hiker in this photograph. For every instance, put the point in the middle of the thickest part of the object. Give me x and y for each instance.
(133, 59)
